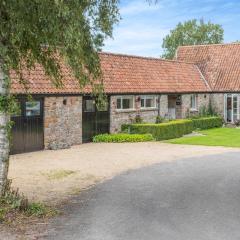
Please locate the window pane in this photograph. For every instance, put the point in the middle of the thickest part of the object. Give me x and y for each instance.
(193, 101)
(229, 108)
(33, 108)
(126, 103)
(131, 102)
(142, 103)
(149, 102)
(235, 108)
(119, 103)
(89, 105)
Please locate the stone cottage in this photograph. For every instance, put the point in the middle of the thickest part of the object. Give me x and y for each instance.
(135, 87)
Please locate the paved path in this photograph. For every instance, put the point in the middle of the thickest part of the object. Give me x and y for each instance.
(195, 198)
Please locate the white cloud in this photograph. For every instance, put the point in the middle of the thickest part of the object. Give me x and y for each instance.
(137, 40)
(138, 33)
(136, 7)
(143, 26)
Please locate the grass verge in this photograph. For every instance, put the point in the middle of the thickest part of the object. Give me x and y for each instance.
(226, 137)
(58, 174)
(15, 206)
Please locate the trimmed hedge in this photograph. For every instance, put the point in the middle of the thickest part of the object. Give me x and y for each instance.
(207, 122)
(123, 137)
(162, 131)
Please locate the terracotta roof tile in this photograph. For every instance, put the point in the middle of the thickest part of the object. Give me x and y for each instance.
(123, 74)
(219, 63)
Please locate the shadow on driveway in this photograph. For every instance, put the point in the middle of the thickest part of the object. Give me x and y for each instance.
(194, 198)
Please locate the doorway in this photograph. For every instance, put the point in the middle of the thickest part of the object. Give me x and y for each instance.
(27, 130)
(95, 121)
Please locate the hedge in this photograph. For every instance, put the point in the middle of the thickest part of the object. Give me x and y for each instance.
(123, 137)
(207, 122)
(162, 131)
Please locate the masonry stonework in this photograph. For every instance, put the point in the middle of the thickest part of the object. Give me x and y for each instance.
(62, 121)
(119, 117)
(164, 106)
(217, 101)
(202, 102)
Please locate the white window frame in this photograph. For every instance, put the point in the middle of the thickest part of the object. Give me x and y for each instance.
(193, 108)
(125, 97)
(231, 95)
(145, 97)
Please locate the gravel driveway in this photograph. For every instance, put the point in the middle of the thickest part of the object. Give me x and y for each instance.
(54, 176)
(196, 198)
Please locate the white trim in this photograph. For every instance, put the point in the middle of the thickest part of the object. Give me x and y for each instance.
(145, 97)
(125, 97)
(231, 96)
(225, 107)
(194, 108)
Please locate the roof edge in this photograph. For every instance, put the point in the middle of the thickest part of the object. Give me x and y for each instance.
(204, 79)
(207, 45)
(143, 57)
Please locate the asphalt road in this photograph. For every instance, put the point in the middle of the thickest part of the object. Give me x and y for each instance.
(188, 199)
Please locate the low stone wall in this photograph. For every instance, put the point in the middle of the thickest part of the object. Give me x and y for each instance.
(62, 121)
(119, 117)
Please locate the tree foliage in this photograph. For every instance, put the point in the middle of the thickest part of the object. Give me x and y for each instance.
(192, 32)
(49, 31)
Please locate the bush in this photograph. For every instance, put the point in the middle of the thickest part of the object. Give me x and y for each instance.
(160, 119)
(138, 119)
(13, 205)
(123, 137)
(207, 122)
(162, 131)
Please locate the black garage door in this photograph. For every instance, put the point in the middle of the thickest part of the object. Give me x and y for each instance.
(27, 131)
(94, 121)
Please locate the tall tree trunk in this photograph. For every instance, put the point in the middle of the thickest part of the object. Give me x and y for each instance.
(4, 140)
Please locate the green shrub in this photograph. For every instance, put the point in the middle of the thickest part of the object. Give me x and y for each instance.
(162, 131)
(160, 119)
(13, 205)
(207, 122)
(123, 137)
(138, 119)
(125, 128)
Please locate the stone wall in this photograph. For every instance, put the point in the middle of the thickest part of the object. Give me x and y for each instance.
(217, 101)
(202, 101)
(164, 106)
(63, 116)
(62, 121)
(119, 117)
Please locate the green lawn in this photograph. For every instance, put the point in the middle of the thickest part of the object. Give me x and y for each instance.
(227, 137)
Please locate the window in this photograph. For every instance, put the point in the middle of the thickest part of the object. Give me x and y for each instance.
(193, 102)
(148, 101)
(33, 108)
(125, 102)
(89, 106)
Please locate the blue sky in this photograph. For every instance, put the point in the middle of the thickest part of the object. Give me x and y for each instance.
(143, 26)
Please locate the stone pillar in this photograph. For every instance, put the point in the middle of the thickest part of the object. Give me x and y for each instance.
(164, 106)
(62, 121)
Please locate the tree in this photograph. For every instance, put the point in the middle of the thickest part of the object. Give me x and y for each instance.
(45, 32)
(191, 32)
